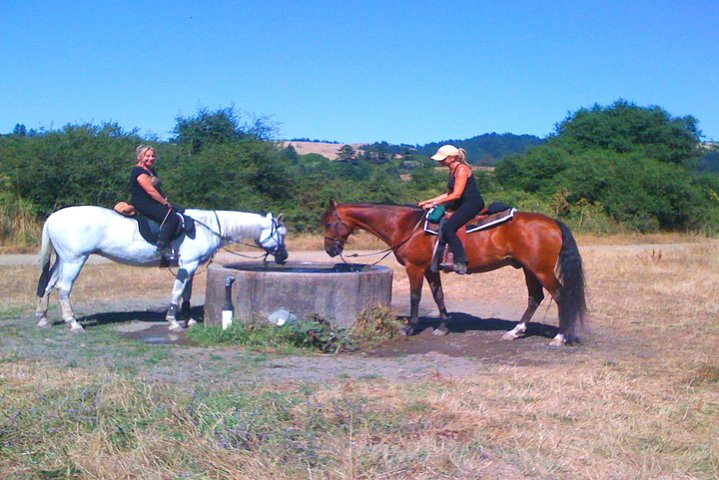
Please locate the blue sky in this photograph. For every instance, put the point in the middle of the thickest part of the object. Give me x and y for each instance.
(405, 72)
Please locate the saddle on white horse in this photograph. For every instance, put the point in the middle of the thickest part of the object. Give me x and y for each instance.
(149, 229)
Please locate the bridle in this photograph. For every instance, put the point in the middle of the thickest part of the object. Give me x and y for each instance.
(275, 230)
(339, 244)
(280, 246)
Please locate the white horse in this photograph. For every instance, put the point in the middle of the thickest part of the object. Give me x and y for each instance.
(74, 233)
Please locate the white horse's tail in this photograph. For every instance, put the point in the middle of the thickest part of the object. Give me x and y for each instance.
(46, 251)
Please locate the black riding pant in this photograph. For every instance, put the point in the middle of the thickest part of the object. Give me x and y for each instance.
(158, 213)
(462, 215)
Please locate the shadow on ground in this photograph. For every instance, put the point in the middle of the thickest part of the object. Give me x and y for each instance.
(471, 336)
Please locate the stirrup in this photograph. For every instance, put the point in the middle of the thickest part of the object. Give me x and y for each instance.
(460, 268)
(436, 265)
(168, 256)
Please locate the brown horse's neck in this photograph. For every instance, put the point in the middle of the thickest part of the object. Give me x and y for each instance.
(392, 224)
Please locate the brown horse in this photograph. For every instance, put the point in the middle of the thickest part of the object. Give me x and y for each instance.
(533, 242)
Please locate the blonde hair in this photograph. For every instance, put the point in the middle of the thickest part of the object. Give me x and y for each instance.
(462, 156)
(142, 149)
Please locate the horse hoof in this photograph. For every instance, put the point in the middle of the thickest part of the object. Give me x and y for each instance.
(440, 331)
(191, 323)
(176, 327)
(558, 341)
(76, 328)
(408, 330)
(43, 323)
(509, 336)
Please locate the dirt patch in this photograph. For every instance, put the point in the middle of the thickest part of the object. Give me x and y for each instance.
(482, 308)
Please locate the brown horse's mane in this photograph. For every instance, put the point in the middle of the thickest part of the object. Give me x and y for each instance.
(387, 205)
(414, 209)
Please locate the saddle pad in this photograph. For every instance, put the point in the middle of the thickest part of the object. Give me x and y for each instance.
(480, 222)
(492, 220)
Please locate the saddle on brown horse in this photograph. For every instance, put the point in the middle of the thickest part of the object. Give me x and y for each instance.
(496, 214)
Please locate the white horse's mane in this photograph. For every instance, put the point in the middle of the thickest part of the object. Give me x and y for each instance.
(234, 225)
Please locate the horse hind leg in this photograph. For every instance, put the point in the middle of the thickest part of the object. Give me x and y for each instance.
(536, 295)
(551, 283)
(67, 274)
(43, 304)
(45, 284)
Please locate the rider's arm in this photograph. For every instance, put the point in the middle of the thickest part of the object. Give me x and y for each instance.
(144, 180)
(460, 182)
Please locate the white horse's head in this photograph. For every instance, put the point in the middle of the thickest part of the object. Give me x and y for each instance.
(272, 238)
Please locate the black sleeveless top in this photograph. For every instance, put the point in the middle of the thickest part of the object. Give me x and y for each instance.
(138, 196)
(471, 194)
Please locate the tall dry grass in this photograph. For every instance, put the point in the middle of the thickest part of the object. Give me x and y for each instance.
(20, 231)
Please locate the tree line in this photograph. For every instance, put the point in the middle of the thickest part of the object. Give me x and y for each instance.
(606, 168)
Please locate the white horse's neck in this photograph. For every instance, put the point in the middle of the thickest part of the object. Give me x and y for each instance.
(235, 226)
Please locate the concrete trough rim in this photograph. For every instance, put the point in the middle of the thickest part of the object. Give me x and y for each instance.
(272, 268)
(259, 289)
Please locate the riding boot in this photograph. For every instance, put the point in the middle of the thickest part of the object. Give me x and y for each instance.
(460, 264)
(168, 255)
(447, 264)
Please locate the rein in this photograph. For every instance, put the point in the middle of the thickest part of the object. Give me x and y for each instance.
(386, 251)
(228, 240)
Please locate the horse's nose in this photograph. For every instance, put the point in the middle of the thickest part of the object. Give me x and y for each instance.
(281, 256)
(332, 250)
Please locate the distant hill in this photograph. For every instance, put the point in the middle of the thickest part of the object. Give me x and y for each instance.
(326, 149)
(489, 148)
(486, 149)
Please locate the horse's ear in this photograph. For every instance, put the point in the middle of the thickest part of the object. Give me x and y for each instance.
(281, 218)
(333, 204)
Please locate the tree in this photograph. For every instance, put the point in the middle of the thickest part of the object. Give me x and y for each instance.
(346, 154)
(635, 162)
(220, 126)
(624, 127)
(19, 130)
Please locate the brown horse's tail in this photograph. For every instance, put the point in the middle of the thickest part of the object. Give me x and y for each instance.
(572, 301)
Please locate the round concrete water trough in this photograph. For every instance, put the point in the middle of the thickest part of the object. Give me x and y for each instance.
(336, 292)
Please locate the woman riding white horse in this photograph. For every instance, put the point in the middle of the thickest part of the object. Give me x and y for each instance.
(74, 233)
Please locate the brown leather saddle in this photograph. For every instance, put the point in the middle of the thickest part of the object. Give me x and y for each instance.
(496, 214)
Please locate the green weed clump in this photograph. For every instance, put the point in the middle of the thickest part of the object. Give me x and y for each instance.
(312, 334)
(315, 333)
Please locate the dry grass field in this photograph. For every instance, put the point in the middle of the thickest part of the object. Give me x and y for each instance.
(638, 398)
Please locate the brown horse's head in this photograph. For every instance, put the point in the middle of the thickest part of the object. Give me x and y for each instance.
(336, 230)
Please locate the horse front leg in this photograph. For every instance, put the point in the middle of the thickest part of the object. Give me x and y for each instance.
(536, 295)
(186, 308)
(416, 278)
(183, 276)
(435, 284)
